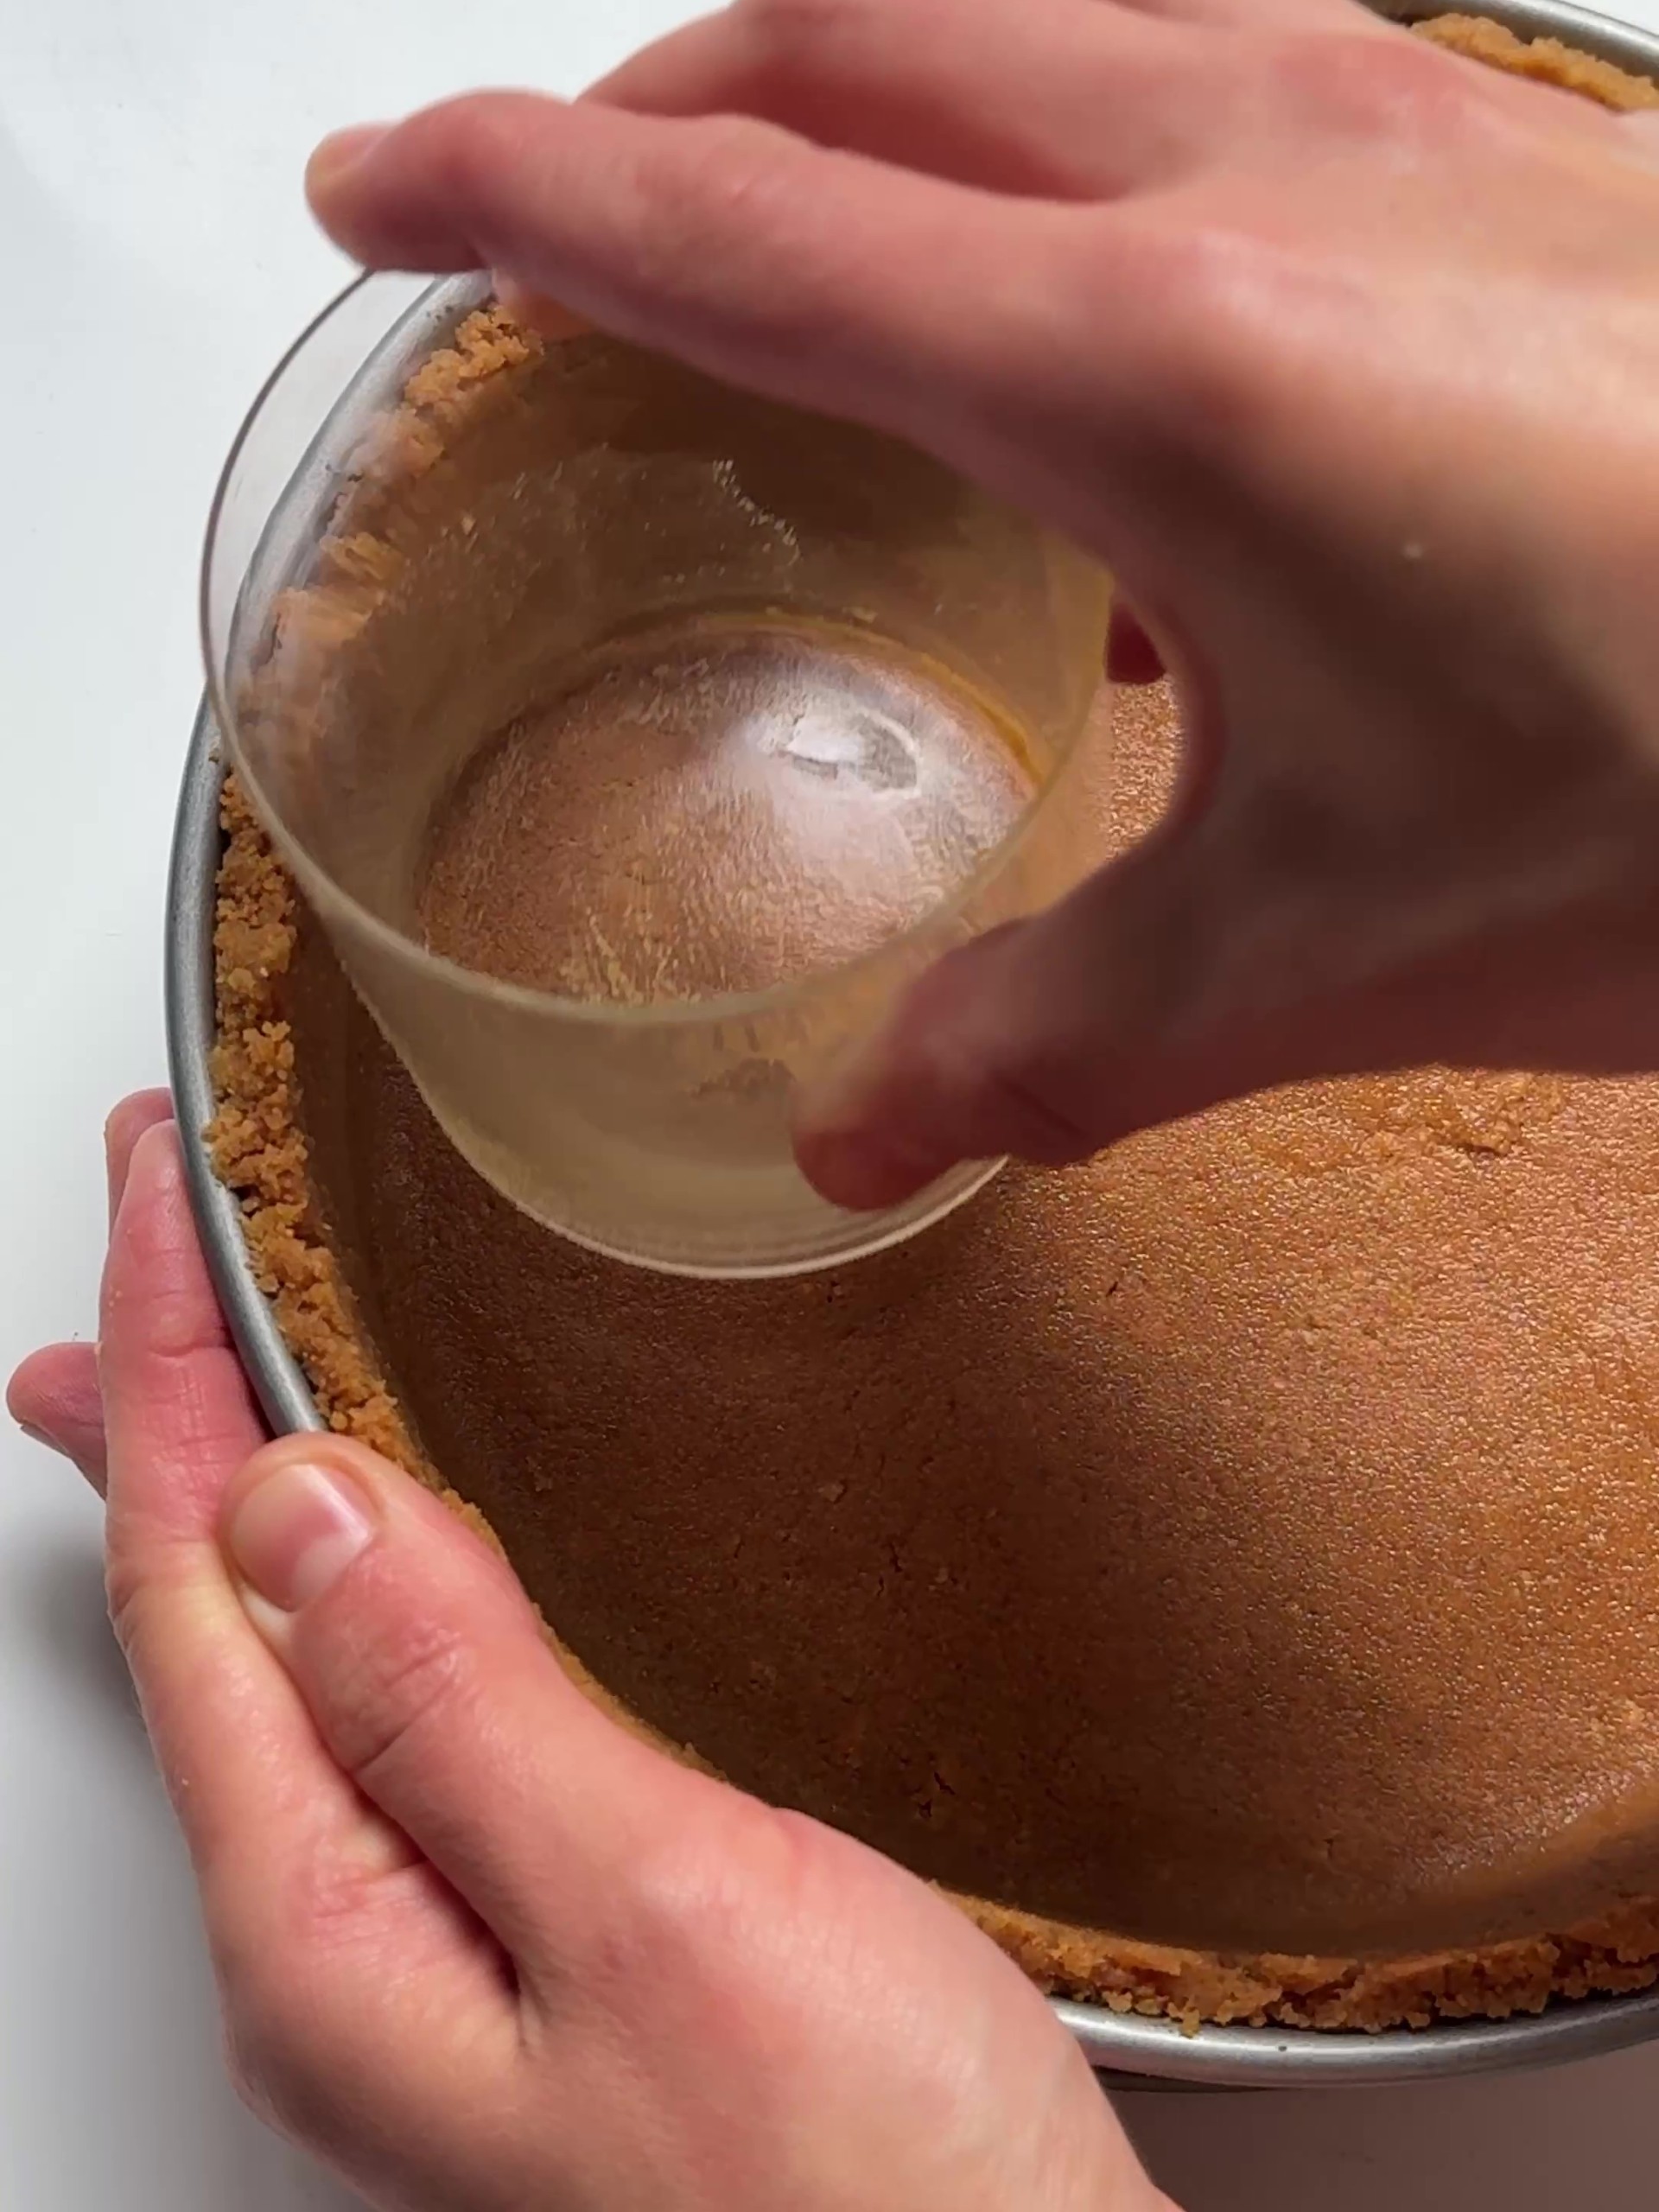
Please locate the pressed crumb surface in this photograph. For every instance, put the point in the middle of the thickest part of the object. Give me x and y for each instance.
(260, 1151)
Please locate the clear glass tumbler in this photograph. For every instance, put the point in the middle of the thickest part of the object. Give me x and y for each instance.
(635, 741)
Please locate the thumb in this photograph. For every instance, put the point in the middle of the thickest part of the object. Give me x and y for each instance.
(1045, 1040)
(431, 1682)
(1213, 962)
(1225, 955)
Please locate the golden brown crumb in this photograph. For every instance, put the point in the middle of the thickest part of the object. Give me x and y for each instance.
(1544, 60)
(1617, 1954)
(260, 1151)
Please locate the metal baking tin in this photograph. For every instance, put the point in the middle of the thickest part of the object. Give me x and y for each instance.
(1150, 2052)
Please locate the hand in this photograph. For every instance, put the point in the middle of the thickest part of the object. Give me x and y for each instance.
(478, 1946)
(1342, 351)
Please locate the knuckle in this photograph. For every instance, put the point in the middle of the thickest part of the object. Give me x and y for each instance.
(791, 31)
(350, 1906)
(342, 2094)
(1016, 1095)
(392, 1683)
(1208, 366)
(315, 2039)
(1228, 305)
(466, 144)
(123, 1596)
(686, 1914)
(177, 1326)
(472, 156)
(317, 1987)
(292, 2069)
(279, 2053)
(718, 191)
(143, 1598)
(1357, 81)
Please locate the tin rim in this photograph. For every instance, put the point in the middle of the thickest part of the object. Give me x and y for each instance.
(1135, 2051)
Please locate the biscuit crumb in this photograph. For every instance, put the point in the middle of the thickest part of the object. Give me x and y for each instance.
(259, 1149)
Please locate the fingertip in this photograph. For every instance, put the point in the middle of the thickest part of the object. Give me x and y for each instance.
(54, 1397)
(129, 1118)
(863, 1170)
(856, 1141)
(20, 1389)
(336, 156)
(968, 1066)
(30, 1392)
(125, 1123)
(900, 1109)
(425, 193)
(154, 1168)
(64, 1374)
(145, 1226)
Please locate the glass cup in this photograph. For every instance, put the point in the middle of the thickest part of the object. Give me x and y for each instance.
(636, 742)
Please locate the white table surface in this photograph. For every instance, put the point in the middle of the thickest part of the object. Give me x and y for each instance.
(157, 258)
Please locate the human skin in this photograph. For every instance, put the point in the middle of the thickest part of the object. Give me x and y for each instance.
(1342, 354)
(1341, 350)
(478, 1947)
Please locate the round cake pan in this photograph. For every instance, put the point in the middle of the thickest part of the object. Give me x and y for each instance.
(1140, 2051)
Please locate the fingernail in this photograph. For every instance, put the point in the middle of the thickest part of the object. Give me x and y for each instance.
(294, 1535)
(342, 150)
(39, 1436)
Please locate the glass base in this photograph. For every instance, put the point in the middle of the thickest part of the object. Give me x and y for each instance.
(786, 1230)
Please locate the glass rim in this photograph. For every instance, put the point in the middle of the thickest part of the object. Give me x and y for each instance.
(320, 886)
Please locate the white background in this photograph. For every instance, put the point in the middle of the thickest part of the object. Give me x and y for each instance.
(157, 258)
